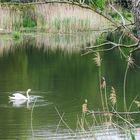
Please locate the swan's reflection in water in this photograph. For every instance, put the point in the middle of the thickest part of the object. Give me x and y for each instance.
(20, 103)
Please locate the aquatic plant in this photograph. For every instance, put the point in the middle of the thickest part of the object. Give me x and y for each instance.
(16, 35)
(103, 86)
(97, 59)
(130, 63)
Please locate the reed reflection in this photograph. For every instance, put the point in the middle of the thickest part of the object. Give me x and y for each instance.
(69, 43)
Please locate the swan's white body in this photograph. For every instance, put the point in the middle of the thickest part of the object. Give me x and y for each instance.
(19, 96)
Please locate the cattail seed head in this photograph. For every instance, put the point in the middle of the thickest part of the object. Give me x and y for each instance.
(97, 59)
(113, 97)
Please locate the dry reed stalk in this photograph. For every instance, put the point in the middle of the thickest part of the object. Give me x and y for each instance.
(62, 120)
(130, 63)
(124, 88)
(103, 85)
(97, 60)
(117, 114)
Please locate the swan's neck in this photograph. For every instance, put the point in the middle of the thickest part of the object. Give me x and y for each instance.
(28, 97)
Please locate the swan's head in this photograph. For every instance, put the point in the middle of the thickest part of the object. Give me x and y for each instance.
(29, 90)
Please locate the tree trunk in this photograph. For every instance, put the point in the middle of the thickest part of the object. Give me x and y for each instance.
(136, 12)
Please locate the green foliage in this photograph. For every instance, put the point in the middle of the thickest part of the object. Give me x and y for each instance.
(16, 35)
(114, 15)
(99, 4)
(28, 22)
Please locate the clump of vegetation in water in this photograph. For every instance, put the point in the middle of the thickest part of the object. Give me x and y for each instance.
(16, 35)
(109, 113)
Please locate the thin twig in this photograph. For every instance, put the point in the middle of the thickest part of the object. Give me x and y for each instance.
(112, 112)
(59, 122)
(63, 120)
(115, 44)
(132, 103)
(118, 115)
(119, 43)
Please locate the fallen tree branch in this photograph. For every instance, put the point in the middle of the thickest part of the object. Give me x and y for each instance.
(113, 113)
(103, 50)
(136, 49)
(114, 44)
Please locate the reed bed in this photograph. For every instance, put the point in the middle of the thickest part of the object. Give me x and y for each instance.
(66, 18)
(5, 19)
(69, 43)
(5, 46)
(10, 19)
(54, 18)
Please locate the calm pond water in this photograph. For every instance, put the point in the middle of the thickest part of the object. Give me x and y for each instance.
(52, 66)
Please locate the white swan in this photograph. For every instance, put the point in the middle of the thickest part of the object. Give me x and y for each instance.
(19, 96)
